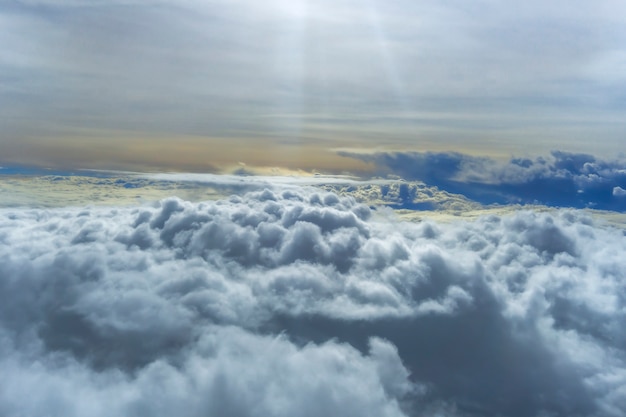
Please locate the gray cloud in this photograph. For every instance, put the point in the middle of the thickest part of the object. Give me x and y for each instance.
(229, 372)
(300, 302)
(321, 70)
(562, 179)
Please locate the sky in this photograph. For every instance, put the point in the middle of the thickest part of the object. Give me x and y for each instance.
(312, 209)
(205, 85)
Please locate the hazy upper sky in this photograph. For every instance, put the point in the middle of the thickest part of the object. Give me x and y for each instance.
(197, 85)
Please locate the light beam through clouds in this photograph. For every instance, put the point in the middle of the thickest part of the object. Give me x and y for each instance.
(489, 76)
(386, 55)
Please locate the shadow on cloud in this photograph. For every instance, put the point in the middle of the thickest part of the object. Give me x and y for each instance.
(303, 303)
(562, 179)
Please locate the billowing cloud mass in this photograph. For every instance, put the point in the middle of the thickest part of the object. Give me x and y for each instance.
(304, 303)
(561, 179)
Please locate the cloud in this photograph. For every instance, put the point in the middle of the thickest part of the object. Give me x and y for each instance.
(301, 302)
(619, 191)
(42, 188)
(332, 73)
(562, 179)
(227, 372)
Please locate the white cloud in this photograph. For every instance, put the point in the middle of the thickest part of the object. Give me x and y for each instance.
(181, 303)
(226, 372)
(619, 192)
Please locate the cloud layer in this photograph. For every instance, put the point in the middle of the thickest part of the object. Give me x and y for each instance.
(562, 179)
(300, 302)
(326, 73)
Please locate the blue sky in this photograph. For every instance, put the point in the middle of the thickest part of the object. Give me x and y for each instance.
(171, 84)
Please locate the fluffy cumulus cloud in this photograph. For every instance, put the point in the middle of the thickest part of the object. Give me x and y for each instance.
(619, 191)
(302, 302)
(561, 179)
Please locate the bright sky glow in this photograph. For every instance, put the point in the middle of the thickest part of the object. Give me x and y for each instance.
(487, 77)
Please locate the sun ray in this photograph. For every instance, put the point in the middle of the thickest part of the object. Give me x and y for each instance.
(389, 62)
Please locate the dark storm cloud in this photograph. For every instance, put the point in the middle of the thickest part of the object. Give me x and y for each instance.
(562, 179)
(300, 302)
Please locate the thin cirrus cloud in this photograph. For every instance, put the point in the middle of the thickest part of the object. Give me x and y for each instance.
(330, 72)
(300, 302)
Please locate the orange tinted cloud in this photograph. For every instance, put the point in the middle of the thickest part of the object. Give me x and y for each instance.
(123, 151)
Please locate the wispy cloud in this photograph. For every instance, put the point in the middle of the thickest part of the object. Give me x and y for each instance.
(342, 71)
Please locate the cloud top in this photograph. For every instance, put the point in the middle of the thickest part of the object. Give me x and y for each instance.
(301, 302)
